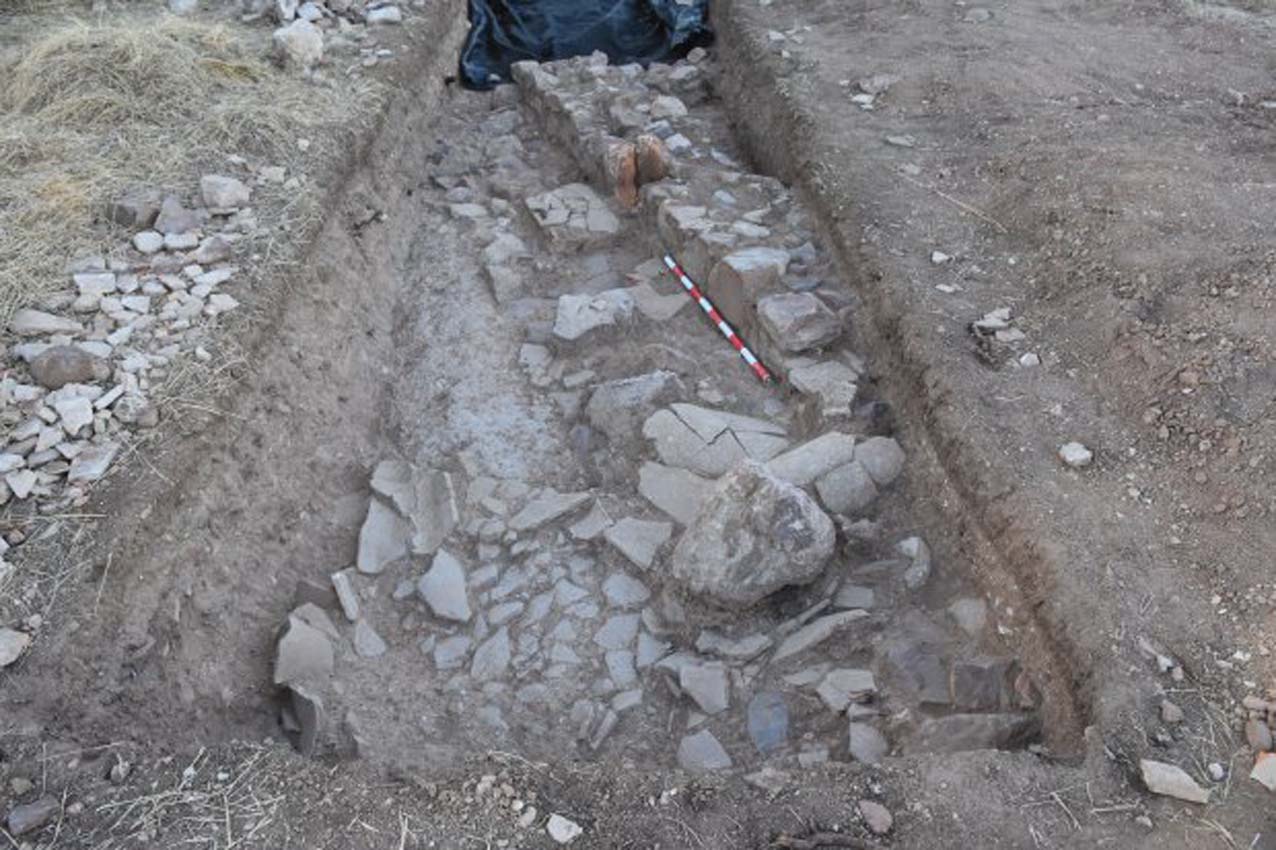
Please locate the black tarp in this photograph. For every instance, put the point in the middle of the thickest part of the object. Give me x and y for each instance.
(506, 31)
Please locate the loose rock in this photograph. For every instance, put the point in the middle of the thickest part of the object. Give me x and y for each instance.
(29, 817)
(222, 192)
(303, 654)
(1172, 781)
(367, 643)
(443, 588)
(798, 321)
(383, 538)
(701, 753)
(707, 685)
(562, 830)
(1075, 455)
(12, 645)
(877, 817)
(639, 540)
(754, 535)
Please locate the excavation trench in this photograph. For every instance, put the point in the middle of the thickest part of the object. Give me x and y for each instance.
(429, 346)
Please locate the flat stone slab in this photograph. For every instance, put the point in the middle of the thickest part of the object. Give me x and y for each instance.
(367, 643)
(743, 649)
(546, 507)
(677, 492)
(92, 463)
(708, 686)
(833, 383)
(816, 632)
(844, 686)
(383, 539)
(577, 315)
(709, 441)
(617, 632)
(701, 752)
(807, 462)
(492, 657)
(866, 744)
(767, 721)
(443, 588)
(617, 408)
(639, 540)
(625, 591)
(303, 654)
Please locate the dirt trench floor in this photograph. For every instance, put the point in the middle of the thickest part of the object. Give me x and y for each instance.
(429, 356)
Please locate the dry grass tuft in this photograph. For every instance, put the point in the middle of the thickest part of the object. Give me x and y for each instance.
(88, 110)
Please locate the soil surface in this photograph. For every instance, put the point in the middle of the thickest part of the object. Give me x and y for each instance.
(488, 407)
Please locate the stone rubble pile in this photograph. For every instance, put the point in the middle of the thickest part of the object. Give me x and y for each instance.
(88, 358)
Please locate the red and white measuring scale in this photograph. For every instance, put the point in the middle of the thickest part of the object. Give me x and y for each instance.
(716, 318)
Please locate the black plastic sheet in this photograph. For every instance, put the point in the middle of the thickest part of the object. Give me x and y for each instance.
(503, 32)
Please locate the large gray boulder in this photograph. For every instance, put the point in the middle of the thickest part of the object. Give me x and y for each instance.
(754, 534)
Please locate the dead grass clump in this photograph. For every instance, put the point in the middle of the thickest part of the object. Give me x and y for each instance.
(88, 110)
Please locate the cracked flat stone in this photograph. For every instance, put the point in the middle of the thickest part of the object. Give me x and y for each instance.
(383, 538)
(428, 499)
(638, 540)
(618, 407)
(591, 525)
(545, 508)
(710, 442)
(443, 588)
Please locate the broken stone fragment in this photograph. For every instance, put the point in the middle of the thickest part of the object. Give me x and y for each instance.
(303, 654)
(299, 44)
(882, 457)
(1171, 781)
(638, 540)
(38, 323)
(92, 463)
(963, 732)
(383, 539)
(754, 534)
(677, 492)
(136, 209)
(708, 686)
(221, 192)
(546, 507)
(701, 753)
(28, 817)
(832, 382)
(798, 321)
(711, 442)
(866, 744)
(307, 708)
(579, 314)
(443, 588)
(617, 407)
(816, 632)
(807, 462)
(12, 644)
(841, 687)
(367, 643)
